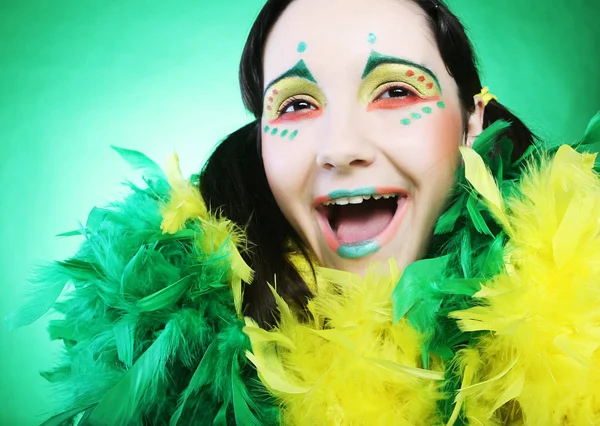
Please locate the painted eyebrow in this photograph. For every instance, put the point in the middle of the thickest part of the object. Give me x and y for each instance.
(376, 59)
(299, 70)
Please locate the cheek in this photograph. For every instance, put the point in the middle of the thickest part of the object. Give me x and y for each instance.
(424, 140)
(287, 155)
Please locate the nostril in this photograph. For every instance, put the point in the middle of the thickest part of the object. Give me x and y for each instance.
(359, 163)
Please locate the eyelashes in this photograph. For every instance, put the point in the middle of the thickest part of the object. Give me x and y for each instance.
(298, 103)
(393, 90)
(395, 94)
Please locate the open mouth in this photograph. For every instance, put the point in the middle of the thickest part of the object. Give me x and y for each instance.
(357, 223)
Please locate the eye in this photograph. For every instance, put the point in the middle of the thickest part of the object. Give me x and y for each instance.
(296, 105)
(391, 92)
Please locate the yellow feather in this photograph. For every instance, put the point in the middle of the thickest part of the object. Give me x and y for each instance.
(355, 366)
(185, 203)
(218, 236)
(541, 360)
(470, 364)
(482, 180)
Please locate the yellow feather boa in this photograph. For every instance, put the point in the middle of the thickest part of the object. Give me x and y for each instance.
(540, 362)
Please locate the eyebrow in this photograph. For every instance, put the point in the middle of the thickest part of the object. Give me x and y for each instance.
(299, 70)
(376, 59)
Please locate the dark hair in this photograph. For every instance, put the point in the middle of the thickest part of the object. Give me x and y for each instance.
(234, 180)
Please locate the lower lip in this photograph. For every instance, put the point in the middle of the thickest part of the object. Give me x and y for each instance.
(366, 247)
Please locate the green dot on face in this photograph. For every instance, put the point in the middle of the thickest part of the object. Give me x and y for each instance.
(285, 132)
(416, 116)
(274, 131)
(293, 134)
(372, 38)
(441, 105)
(267, 129)
(405, 121)
(427, 110)
(302, 47)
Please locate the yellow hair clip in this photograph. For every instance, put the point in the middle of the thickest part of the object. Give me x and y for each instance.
(486, 95)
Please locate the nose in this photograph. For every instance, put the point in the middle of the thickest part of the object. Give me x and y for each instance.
(345, 148)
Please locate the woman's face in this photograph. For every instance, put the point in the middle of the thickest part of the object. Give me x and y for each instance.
(361, 127)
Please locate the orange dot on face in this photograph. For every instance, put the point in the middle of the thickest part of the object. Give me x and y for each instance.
(410, 73)
(421, 78)
(269, 107)
(275, 91)
(270, 99)
(430, 85)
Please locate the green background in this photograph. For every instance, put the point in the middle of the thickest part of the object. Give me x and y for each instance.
(79, 75)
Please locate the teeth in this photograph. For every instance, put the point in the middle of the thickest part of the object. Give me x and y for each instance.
(358, 199)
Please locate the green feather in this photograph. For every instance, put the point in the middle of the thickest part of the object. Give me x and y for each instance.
(124, 339)
(120, 405)
(591, 139)
(476, 217)
(165, 297)
(45, 289)
(137, 324)
(64, 417)
(141, 162)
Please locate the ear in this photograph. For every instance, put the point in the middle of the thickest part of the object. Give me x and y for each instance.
(475, 124)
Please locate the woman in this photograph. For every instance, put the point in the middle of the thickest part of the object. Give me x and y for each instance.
(454, 57)
(360, 112)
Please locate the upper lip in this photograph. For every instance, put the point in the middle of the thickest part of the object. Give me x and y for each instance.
(364, 192)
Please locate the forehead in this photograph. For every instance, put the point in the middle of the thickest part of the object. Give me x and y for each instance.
(338, 36)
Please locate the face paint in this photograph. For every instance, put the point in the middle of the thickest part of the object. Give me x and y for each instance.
(296, 87)
(284, 99)
(383, 74)
(293, 135)
(417, 116)
(301, 47)
(299, 70)
(284, 133)
(372, 38)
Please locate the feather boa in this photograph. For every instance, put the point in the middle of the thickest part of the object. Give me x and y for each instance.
(151, 325)
(499, 324)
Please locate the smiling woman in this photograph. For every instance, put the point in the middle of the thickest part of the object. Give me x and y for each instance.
(385, 243)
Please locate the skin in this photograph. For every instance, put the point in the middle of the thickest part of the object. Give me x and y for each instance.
(351, 135)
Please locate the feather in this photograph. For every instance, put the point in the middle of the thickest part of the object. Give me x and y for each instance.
(349, 362)
(120, 404)
(61, 418)
(541, 311)
(591, 139)
(42, 294)
(151, 330)
(165, 297)
(124, 339)
(482, 180)
(185, 200)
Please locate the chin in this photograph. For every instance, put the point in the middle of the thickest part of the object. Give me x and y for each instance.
(378, 261)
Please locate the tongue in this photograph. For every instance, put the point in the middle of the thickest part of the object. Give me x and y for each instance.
(360, 222)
